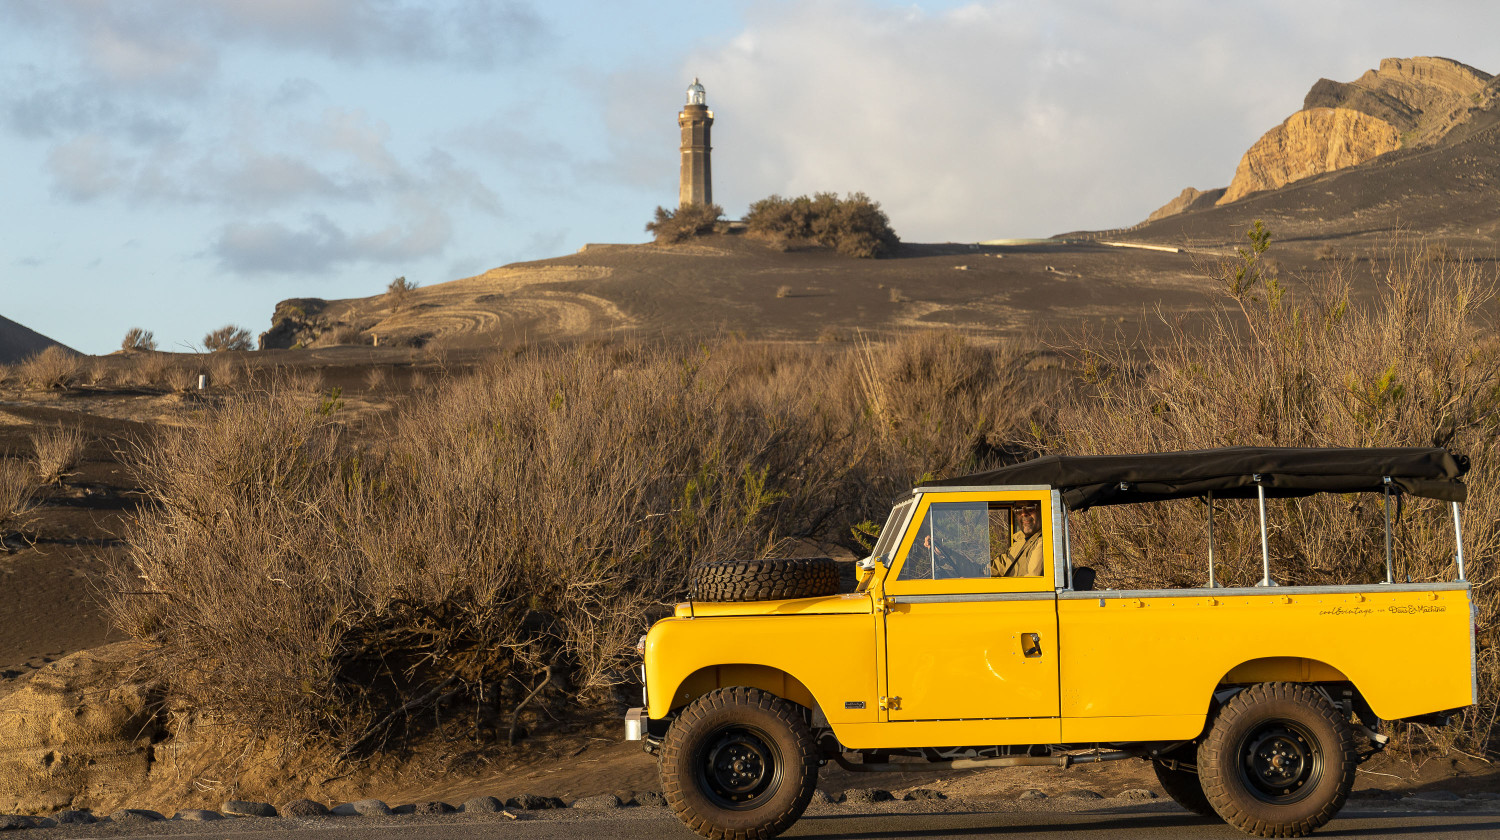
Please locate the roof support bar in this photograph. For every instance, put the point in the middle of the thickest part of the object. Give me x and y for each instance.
(1458, 533)
(1211, 582)
(1389, 576)
(1265, 541)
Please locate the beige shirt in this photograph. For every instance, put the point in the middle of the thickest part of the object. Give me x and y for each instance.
(1022, 559)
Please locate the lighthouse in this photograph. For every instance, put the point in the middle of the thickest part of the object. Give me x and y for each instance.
(695, 119)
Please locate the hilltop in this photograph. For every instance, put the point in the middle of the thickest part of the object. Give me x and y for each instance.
(731, 282)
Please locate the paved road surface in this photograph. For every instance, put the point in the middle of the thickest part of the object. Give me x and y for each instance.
(1133, 823)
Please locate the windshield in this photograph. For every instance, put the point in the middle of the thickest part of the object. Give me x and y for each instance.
(889, 535)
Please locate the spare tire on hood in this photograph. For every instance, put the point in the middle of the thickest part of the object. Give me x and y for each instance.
(764, 580)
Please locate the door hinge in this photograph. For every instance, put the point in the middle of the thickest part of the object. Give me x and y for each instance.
(890, 704)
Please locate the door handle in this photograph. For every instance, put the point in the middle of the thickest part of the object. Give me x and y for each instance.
(1031, 645)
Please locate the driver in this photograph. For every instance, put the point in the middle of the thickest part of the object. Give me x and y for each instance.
(1024, 557)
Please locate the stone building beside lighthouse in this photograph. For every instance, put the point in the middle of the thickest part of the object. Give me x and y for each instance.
(696, 186)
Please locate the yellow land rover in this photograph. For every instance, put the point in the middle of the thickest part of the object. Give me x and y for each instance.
(972, 641)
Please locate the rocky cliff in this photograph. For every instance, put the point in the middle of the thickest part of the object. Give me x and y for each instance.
(1407, 102)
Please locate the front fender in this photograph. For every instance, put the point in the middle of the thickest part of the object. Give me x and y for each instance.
(823, 660)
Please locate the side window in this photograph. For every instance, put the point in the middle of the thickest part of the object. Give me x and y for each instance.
(976, 540)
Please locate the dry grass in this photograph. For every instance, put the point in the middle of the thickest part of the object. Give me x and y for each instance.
(57, 452)
(1418, 366)
(52, 368)
(377, 378)
(146, 369)
(16, 494)
(224, 371)
(486, 542)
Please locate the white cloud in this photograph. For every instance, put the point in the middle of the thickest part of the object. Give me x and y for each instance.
(1019, 118)
(85, 168)
(318, 244)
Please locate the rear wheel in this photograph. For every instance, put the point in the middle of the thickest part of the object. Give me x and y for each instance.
(739, 763)
(1279, 760)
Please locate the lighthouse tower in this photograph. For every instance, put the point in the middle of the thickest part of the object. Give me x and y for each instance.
(696, 186)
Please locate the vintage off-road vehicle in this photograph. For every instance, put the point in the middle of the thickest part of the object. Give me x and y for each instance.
(972, 641)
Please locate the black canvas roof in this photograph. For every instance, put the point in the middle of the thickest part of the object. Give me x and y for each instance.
(1092, 480)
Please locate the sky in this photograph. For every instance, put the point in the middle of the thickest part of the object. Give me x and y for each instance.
(179, 166)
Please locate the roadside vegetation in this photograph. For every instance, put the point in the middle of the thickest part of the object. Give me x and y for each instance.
(510, 533)
(496, 547)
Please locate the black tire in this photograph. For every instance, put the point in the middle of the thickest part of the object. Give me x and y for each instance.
(739, 763)
(1182, 784)
(1278, 761)
(764, 580)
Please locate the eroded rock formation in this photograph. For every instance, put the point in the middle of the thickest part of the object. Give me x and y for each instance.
(1406, 102)
(1311, 143)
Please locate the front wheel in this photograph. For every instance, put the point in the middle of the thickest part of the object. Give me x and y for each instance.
(739, 763)
(1279, 760)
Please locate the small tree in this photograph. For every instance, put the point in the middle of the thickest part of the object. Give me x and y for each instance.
(399, 291)
(684, 223)
(228, 337)
(138, 340)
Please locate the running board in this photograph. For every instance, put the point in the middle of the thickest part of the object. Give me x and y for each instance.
(971, 763)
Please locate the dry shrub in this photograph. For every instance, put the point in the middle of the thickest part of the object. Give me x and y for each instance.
(1415, 366)
(343, 334)
(146, 369)
(56, 367)
(513, 531)
(224, 371)
(228, 337)
(16, 494)
(137, 340)
(377, 378)
(98, 371)
(58, 451)
(684, 223)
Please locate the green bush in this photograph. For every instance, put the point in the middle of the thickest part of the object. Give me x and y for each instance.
(854, 226)
(684, 223)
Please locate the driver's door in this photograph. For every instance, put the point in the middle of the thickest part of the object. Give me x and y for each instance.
(962, 644)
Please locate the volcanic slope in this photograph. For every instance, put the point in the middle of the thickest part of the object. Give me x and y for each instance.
(18, 341)
(735, 283)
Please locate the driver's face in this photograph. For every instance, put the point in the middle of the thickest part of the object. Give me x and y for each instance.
(1031, 519)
